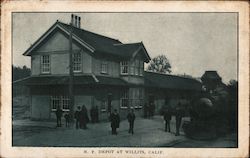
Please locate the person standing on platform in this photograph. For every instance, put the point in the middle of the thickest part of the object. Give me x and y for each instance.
(77, 117)
(131, 120)
(59, 113)
(84, 119)
(167, 118)
(66, 116)
(115, 121)
(178, 119)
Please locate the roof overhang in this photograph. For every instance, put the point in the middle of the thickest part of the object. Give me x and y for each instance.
(142, 47)
(50, 30)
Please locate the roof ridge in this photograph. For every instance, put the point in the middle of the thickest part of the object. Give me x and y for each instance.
(81, 29)
(171, 75)
(119, 44)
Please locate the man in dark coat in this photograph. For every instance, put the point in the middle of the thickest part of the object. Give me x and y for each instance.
(77, 117)
(66, 116)
(59, 113)
(178, 118)
(131, 119)
(84, 119)
(115, 121)
(167, 118)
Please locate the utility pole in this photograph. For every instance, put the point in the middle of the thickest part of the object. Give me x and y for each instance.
(71, 74)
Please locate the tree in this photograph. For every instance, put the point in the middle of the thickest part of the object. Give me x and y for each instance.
(19, 73)
(233, 104)
(159, 64)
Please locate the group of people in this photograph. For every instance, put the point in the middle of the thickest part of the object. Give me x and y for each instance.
(167, 115)
(81, 117)
(115, 121)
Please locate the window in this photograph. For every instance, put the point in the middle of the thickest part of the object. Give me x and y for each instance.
(124, 99)
(77, 62)
(45, 65)
(104, 67)
(61, 101)
(124, 67)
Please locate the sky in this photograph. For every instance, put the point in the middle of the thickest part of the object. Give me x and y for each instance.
(193, 42)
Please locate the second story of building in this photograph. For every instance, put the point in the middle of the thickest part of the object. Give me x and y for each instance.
(91, 54)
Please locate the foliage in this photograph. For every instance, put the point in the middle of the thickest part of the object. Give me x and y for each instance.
(233, 104)
(159, 64)
(20, 72)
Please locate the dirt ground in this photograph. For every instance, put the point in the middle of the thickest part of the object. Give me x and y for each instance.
(148, 133)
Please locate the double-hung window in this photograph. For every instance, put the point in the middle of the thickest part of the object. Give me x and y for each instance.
(45, 64)
(61, 102)
(124, 67)
(77, 62)
(104, 67)
(124, 99)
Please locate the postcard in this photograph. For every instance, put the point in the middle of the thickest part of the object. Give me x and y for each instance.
(124, 79)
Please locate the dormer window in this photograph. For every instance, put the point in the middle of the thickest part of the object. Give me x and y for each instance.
(104, 67)
(45, 64)
(77, 62)
(124, 67)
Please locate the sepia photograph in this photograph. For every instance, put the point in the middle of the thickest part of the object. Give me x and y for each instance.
(125, 79)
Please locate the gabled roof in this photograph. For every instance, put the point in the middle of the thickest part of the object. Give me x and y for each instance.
(94, 42)
(157, 80)
(211, 75)
(131, 49)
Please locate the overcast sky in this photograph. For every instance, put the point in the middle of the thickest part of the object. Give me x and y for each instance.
(193, 42)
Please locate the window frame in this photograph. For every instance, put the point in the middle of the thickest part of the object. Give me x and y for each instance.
(78, 63)
(45, 65)
(62, 101)
(104, 67)
(124, 99)
(124, 66)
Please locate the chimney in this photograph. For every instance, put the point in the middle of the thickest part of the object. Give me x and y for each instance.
(79, 22)
(75, 21)
(72, 19)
